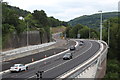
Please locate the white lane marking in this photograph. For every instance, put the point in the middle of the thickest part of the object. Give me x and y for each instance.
(83, 64)
(69, 60)
(7, 71)
(65, 62)
(54, 56)
(51, 56)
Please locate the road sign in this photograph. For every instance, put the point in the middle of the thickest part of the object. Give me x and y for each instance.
(78, 35)
(65, 35)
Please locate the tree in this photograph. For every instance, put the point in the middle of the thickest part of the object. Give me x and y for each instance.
(84, 32)
(114, 33)
(94, 34)
(113, 70)
(29, 19)
(41, 17)
(10, 17)
(75, 30)
(67, 31)
(54, 22)
(41, 32)
(47, 30)
(64, 23)
(6, 28)
(113, 65)
(20, 27)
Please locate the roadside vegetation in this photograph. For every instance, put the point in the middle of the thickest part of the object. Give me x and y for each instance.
(72, 32)
(113, 57)
(113, 62)
(58, 29)
(17, 21)
(92, 20)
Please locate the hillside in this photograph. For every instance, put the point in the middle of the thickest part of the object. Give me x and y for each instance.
(16, 22)
(19, 12)
(58, 29)
(92, 20)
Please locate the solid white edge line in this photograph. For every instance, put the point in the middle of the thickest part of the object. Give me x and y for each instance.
(66, 61)
(74, 58)
(7, 71)
(69, 60)
(57, 55)
(78, 67)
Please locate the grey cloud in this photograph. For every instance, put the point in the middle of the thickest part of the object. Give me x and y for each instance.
(69, 9)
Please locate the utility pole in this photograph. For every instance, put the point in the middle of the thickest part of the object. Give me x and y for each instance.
(27, 43)
(108, 34)
(50, 35)
(89, 32)
(65, 35)
(100, 25)
(27, 35)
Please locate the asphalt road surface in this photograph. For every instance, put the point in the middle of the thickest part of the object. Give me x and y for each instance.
(28, 59)
(56, 66)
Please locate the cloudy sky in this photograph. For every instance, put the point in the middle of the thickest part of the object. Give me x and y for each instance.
(66, 9)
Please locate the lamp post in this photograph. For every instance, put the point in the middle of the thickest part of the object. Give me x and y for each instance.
(108, 34)
(50, 34)
(21, 18)
(89, 32)
(27, 35)
(100, 25)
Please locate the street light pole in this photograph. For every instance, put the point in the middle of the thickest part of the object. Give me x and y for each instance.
(100, 25)
(21, 18)
(50, 34)
(108, 33)
(27, 34)
(89, 32)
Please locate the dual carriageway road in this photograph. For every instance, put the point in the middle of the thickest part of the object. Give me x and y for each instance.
(56, 66)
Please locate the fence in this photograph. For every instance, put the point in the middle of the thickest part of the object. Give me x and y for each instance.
(15, 41)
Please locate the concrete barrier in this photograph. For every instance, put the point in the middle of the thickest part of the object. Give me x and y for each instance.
(25, 51)
(8, 71)
(89, 68)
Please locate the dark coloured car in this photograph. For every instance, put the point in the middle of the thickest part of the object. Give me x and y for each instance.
(67, 56)
(72, 48)
(80, 44)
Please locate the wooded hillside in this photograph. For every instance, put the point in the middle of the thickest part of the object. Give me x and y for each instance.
(92, 20)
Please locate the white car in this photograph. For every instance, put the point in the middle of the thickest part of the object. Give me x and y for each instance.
(18, 68)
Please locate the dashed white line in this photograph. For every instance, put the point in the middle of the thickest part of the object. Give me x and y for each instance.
(65, 62)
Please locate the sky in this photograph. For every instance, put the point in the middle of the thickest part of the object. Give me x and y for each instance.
(66, 10)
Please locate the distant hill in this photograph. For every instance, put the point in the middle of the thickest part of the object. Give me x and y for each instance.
(92, 20)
